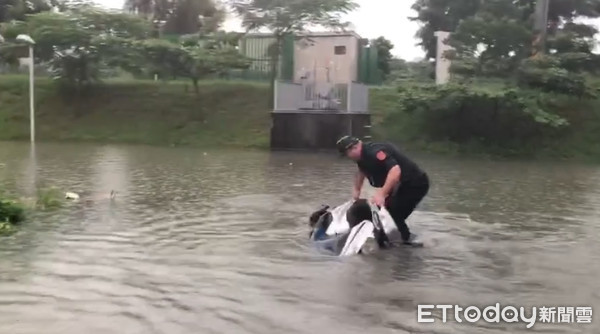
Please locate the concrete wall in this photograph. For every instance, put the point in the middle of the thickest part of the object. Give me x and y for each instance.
(353, 97)
(288, 96)
(315, 59)
(315, 130)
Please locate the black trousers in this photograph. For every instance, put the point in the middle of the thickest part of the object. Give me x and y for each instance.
(404, 200)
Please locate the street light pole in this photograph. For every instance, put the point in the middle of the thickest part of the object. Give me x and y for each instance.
(31, 95)
(30, 42)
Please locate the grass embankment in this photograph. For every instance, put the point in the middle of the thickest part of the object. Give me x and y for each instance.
(236, 114)
(140, 112)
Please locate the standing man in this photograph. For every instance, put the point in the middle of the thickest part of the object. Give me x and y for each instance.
(402, 184)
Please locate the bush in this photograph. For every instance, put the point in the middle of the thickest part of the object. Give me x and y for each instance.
(49, 198)
(11, 212)
(6, 228)
(547, 74)
(498, 117)
(14, 212)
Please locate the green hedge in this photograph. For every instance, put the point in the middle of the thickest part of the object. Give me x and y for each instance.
(494, 119)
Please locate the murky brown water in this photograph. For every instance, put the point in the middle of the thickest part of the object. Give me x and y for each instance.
(216, 243)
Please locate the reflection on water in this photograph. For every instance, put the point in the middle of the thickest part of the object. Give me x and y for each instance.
(215, 242)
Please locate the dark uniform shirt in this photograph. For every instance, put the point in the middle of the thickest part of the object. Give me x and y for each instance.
(378, 158)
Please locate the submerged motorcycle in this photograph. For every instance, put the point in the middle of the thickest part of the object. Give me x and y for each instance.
(355, 227)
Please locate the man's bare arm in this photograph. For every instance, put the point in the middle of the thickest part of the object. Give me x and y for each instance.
(359, 179)
(393, 177)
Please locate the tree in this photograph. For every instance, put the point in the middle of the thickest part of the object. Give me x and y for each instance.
(83, 43)
(195, 58)
(179, 16)
(384, 55)
(284, 17)
(414, 71)
(496, 38)
(149, 9)
(493, 41)
(442, 15)
(18, 9)
(72, 42)
(192, 16)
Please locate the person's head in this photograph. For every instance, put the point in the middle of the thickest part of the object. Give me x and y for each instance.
(358, 212)
(350, 146)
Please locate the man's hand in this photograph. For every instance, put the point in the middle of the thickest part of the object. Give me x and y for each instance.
(355, 194)
(378, 199)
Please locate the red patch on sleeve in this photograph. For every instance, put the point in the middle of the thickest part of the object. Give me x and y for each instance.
(381, 155)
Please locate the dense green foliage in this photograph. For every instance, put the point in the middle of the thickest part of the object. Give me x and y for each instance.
(510, 92)
(499, 41)
(85, 44)
(179, 17)
(17, 9)
(495, 119)
(410, 71)
(12, 213)
(384, 55)
(49, 198)
(497, 38)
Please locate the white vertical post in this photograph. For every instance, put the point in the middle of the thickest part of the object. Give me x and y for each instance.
(275, 93)
(442, 64)
(349, 97)
(31, 95)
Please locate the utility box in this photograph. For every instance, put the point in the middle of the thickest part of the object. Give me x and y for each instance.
(322, 89)
(334, 57)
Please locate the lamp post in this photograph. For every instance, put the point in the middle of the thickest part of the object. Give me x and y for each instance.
(30, 42)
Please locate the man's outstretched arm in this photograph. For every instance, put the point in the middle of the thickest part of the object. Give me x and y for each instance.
(359, 179)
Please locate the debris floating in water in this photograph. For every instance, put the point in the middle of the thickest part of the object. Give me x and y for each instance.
(75, 196)
(291, 163)
(205, 153)
(71, 195)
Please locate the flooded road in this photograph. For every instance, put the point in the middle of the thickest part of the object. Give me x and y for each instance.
(215, 242)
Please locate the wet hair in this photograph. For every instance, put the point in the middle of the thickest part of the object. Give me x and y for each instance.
(319, 221)
(359, 211)
(314, 217)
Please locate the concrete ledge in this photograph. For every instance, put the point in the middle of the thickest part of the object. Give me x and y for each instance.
(319, 112)
(315, 129)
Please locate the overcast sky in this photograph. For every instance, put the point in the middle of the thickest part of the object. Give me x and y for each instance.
(369, 21)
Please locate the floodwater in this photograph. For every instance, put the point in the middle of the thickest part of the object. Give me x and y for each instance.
(216, 242)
